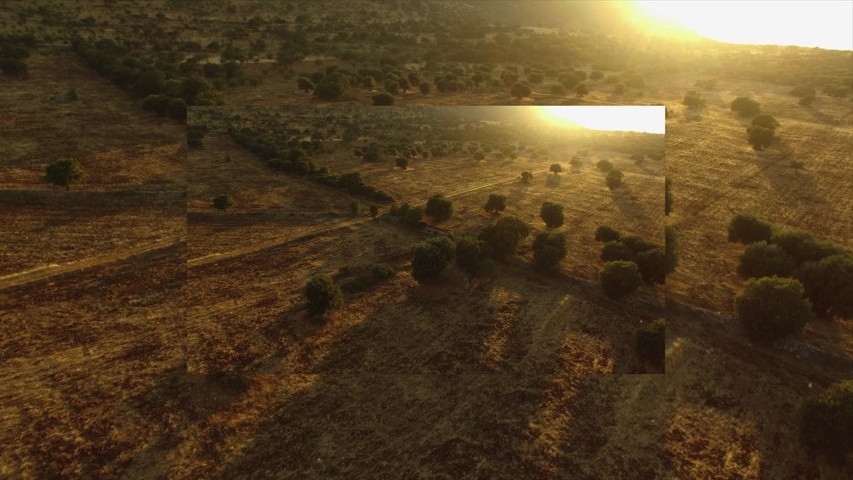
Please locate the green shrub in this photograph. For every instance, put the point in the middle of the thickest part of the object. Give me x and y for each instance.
(803, 247)
(770, 308)
(636, 243)
(402, 162)
(616, 250)
(383, 99)
(693, 100)
(556, 168)
(765, 120)
(548, 250)
(552, 214)
(604, 165)
(651, 342)
(746, 228)
(761, 259)
(504, 236)
(322, 294)
(64, 172)
(526, 177)
(760, 137)
(829, 284)
(619, 278)
(223, 202)
(496, 203)
(614, 179)
(472, 255)
(652, 265)
(605, 233)
(826, 422)
(439, 208)
(745, 107)
(431, 256)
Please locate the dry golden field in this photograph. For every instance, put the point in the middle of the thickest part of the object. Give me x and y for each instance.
(146, 335)
(118, 146)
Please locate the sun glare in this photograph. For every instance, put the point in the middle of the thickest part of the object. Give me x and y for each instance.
(825, 24)
(648, 119)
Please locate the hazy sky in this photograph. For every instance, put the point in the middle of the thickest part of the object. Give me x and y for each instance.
(649, 119)
(825, 24)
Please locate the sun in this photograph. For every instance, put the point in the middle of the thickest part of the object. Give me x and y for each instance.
(648, 119)
(825, 24)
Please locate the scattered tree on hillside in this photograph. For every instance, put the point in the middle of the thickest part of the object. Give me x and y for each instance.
(605, 233)
(431, 256)
(504, 236)
(556, 168)
(472, 255)
(402, 162)
(761, 259)
(614, 179)
(383, 99)
(496, 203)
(552, 214)
(745, 107)
(223, 202)
(770, 308)
(439, 208)
(322, 294)
(746, 228)
(619, 278)
(63, 173)
(526, 177)
(548, 250)
(829, 284)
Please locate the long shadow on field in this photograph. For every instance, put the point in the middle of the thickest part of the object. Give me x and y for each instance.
(517, 322)
(629, 207)
(794, 186)
(483, 426)
(728, 398)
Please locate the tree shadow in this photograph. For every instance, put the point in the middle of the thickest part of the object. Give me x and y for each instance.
(553, 181)
(793, 186)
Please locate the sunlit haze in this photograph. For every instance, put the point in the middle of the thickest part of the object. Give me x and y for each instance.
(649, 119)
(825, 24)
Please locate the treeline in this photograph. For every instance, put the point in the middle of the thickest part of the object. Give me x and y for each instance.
(294, 159)
(166, 87)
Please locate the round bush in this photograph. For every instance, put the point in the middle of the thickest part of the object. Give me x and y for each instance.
(803, 247)
(770, 308)
(745, 228)
(63, 173)
(652, 265)
(431, 257)
(605, 233)
(619, 278)
(504, 235)
(826, 422)
(383, 99)
(548, 250)
(223, 202)
(552, 214)
(472, 254)
(760, 137)
(745, 107)
(829, 284)
(322, 294)
(615, 250)
(496, 203)
(761, 259)
(439, 208)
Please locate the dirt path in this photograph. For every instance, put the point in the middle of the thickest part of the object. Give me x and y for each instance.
(46, 271)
